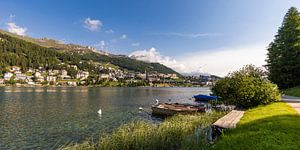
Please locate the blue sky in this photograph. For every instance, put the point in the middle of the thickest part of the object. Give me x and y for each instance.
(189, 36)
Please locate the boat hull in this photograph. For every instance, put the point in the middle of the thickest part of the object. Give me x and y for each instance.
(164, 111)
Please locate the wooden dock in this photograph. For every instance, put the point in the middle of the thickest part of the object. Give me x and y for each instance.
(230, 120)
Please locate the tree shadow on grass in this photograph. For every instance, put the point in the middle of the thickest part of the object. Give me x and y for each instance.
(276, 132)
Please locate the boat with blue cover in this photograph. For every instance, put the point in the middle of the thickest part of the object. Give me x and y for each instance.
(202, 97)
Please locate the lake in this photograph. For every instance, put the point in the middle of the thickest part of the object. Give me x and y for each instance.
(50, 117)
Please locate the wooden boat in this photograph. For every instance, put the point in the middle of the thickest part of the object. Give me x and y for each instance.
(169, 109)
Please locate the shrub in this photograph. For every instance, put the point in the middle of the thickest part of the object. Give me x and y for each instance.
(246, 88)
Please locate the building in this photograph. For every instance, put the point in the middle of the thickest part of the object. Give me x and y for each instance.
(53, 72)
(7, 76)
(130, 75)
(64, 74)
(17, 72)
(40, 79)
(20, 77)
(82, 75)
(174, 76)
(74, 66)
(30, 70)
(143, 76)
(1, 81)
(71, 83)
(15, 68)
(104, 76)
(51, 78)
(29, 79)
(37, 74)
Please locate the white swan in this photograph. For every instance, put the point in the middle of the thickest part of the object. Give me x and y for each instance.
(156, 101)
(100, 112)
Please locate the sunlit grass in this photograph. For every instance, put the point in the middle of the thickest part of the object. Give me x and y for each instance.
(177, 132)
(274, 126)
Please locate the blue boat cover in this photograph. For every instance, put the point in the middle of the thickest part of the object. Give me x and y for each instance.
(205, 97)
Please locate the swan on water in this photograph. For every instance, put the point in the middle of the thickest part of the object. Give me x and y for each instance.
(140, 108)
(156, 101)
(99, 111)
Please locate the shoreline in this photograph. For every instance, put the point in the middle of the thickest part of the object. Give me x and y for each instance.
(3, 85)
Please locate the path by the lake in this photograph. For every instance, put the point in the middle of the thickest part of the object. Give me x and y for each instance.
(292, 101)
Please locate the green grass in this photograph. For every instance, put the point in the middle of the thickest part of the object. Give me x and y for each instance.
(274, 126)
(295, 91)
(178, 132)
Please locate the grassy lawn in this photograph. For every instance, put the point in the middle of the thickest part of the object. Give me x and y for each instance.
(295, 91)
(274, 126)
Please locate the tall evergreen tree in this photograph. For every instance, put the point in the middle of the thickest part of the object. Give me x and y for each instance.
(283, 60)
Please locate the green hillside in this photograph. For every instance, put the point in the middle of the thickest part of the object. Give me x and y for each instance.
(28, 52)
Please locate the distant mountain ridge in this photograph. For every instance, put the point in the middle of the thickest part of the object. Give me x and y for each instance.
(28, 52)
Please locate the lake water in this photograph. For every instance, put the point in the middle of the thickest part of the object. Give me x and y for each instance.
(50, 117)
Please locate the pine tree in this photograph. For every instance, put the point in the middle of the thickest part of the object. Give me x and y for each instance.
(283, 60)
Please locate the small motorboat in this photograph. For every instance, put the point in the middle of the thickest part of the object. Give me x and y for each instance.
(205, 98)
(169, 109)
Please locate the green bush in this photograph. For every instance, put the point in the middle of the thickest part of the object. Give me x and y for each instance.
(246, 88)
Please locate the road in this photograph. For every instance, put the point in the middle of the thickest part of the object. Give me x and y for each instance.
(292, 101)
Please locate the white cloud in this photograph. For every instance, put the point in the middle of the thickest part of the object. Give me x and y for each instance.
(189, 35)
(92, 25)
(101, 45)
(13, 28)
(135, 44)
(124, 36)
(152, 55)
(226, 60)
(110, 31)
(219, 62)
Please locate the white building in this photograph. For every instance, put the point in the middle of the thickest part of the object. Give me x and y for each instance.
(20, 76)
(7, 76)
(82, 75)
(30, 70)
(29, 79)
(104, 76)
(15, 68)
(64, 74)
(18, 72)
(1, 81)
(53, 72)
(74, 66)
(72, 83)
(174, 76)
(51, 78)
(37, 74)
(143, 76)
(40, 79)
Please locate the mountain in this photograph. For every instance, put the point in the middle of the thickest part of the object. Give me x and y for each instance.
(29, 52)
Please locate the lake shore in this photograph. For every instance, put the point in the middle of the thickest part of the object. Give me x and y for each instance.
(39, 85)
(177, 132)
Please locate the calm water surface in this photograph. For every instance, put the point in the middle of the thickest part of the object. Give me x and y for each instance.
(48, 118)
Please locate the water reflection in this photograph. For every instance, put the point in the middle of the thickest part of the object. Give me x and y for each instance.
(46, 118)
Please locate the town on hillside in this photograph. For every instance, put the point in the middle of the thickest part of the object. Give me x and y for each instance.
(107, 75)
